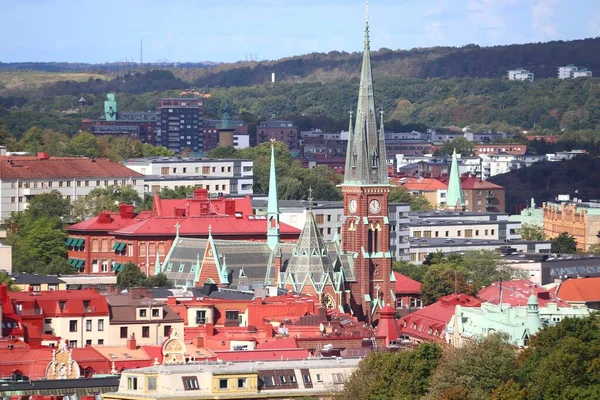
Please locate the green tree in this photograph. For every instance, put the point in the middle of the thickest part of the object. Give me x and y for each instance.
(130, 276)
(4, 133)
(402, 195)
(594, 249)
(158, 280)
(532, 232)
(564, 243)
(101, 199)
(389, 375)
(84, 144)
(47, 205)
(463, 146)
(478, 368)
(510, 390)
(444, 279)
(32, 140)
(413, 271)
(222, 152)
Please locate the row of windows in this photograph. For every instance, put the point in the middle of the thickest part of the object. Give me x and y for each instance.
(49, 184)
(88, 325)
(206, 170)
(468, 233)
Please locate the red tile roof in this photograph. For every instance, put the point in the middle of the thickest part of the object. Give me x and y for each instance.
(473, 183)
(406, 285)
(579, 290)
(226, 217)
(48, 303)
(420, 184)
(63, 167)
(429, 323)
(516, 293)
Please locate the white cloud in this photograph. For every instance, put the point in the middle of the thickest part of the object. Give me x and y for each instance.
(542, 19)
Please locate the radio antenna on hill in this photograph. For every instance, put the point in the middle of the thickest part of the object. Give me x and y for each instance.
(141, 51)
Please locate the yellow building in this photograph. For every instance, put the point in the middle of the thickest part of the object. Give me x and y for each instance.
(576, 219)
(37, 283)
(320, 378)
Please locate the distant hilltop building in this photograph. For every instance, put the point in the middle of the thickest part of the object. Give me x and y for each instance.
(572, 71)
(520, 74)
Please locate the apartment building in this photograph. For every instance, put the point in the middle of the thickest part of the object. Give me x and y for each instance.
(180, 124)
(245, 380)
(520, 74)
(281, 131)
(576, 218)
(218, 176)
(24, 177)
(572, 71)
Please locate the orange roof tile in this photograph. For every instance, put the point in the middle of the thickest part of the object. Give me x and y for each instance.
(580, 290)
(63, 167)
(420, 184)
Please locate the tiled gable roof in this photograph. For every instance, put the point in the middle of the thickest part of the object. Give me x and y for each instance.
(64, 168)
(580, 290)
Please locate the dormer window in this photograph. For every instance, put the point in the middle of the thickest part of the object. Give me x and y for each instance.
(62, 304)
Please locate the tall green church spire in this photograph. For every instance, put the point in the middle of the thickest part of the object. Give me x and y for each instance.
(273, 205)
(454, 198)
(366, 159)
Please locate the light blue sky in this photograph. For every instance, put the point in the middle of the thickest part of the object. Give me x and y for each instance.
(228, 30)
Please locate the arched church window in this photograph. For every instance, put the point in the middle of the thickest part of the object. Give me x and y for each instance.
(328, 302)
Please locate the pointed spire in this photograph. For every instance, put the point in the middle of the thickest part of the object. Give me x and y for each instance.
(454, 197)
(273, 205)
(366, 158)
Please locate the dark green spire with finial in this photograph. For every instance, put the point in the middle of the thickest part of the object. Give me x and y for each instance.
(226, 121)
(366, 158)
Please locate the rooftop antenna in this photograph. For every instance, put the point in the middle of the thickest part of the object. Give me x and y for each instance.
(367, 12)
(141, 52)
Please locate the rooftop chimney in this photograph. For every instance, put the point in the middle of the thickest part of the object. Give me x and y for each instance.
(131, 342)
(43, 155)
(126, 211)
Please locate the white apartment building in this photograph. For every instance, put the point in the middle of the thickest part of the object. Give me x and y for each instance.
(241, 141)
(463, 224)
(495, 164)
(520, 75)
(572, 71)
(24, 177)
(218, 176)
(329, 216)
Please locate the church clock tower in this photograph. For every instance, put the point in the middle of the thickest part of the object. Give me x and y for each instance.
(365, 231)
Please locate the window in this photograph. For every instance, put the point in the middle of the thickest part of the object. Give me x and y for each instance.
(241, 383)
(167, 331)
(200, 317)
(123, 332)
(132, 383)
(62, 304)
(476, 232)
(88, 325)
(492, 232)
(101, 342)
(282, 379)
(232, 315)
(459, 233)
(269, 381)
(293, 378)
(190, 383)
(468, 233)
(88, 342)
(145, 331)
(151, 383)
(156, 312)
(13, 199)
(319, 378)
(427, 234)
(72, 343)
(485, 232)
(319, 218)
(48, 321)
(307, 378)
(143, 313)
(73, 325)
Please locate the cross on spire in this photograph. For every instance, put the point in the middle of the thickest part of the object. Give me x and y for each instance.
(177, 226)
(367, 12)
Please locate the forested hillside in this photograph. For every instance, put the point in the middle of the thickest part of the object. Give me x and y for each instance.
(544, 181)
(542, 59)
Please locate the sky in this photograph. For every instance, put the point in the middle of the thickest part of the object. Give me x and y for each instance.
(232, 30)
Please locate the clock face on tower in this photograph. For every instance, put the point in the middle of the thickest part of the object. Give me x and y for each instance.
(374, 206)
(352, 206)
